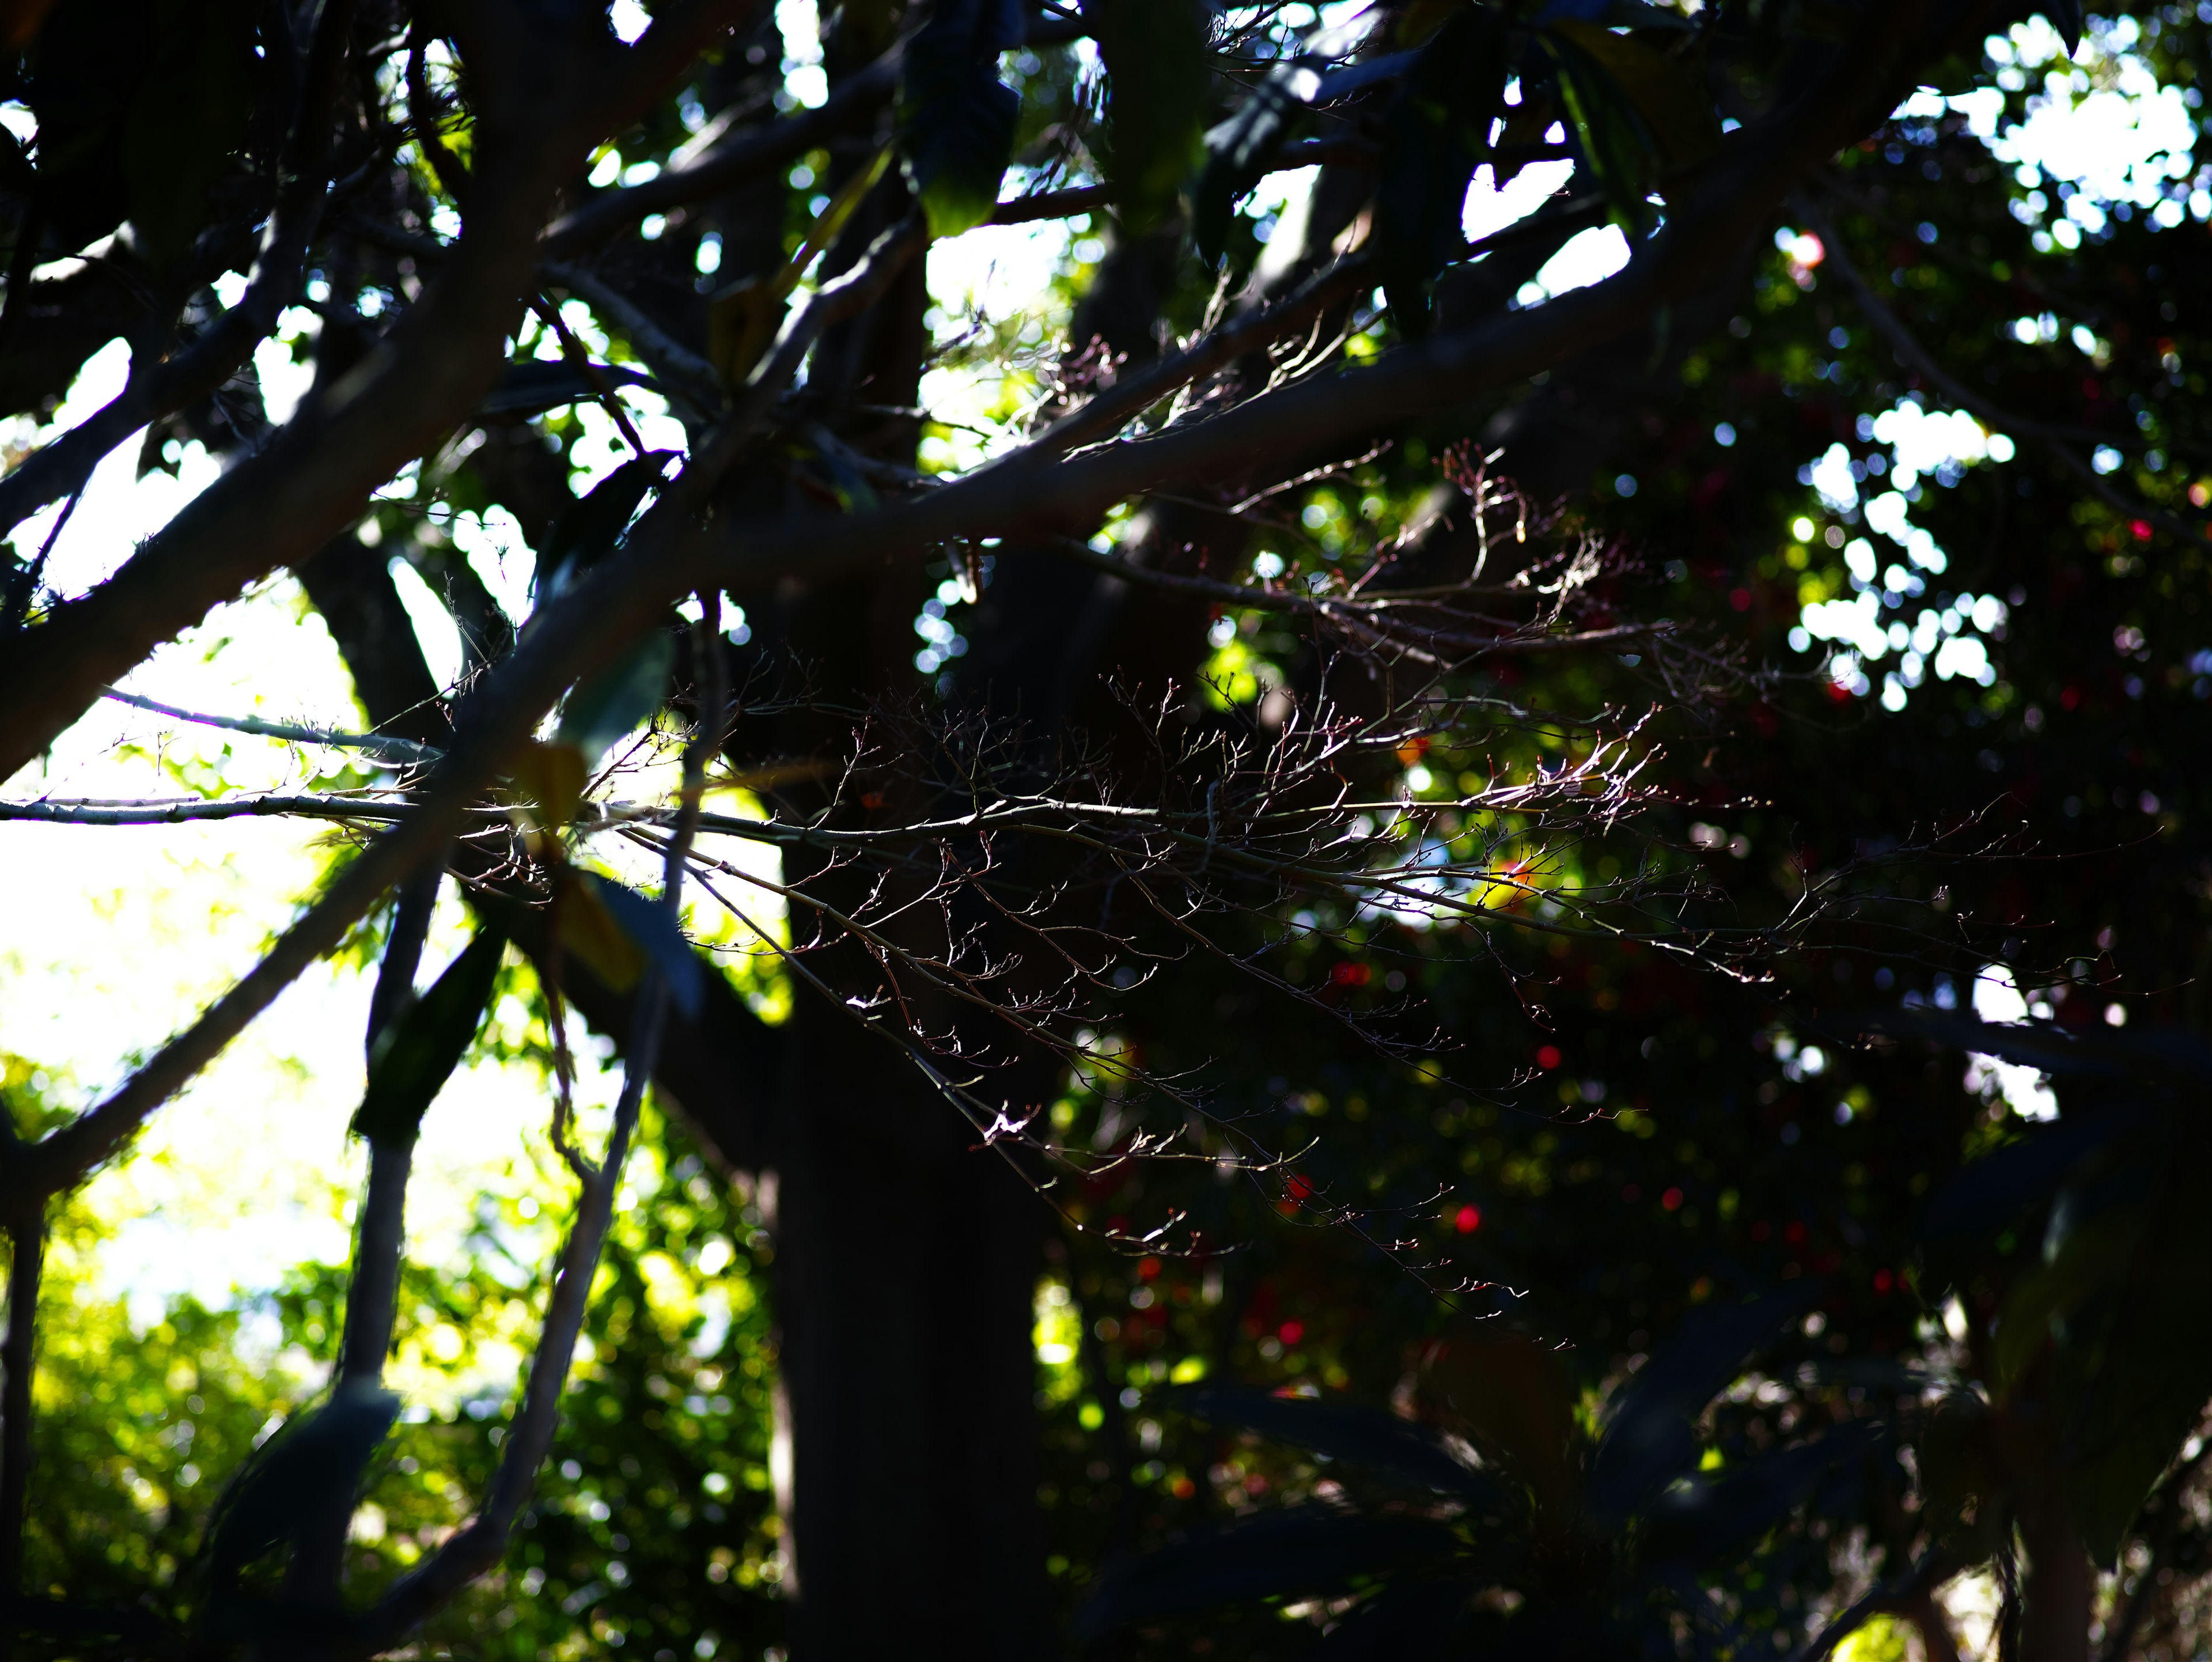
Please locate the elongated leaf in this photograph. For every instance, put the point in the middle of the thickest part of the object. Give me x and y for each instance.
(1649, 1440)
(589, 932)
(647, 924)
(956, 117)
(588, 531)
(2065, 16)
(1666, 92)
(1700, 1523)
(2133, 1374)
(531, 389)
(1355, 78)
(1155, 52)
(551, 779)
(1513, 1396)
(1986, 1196)
(311, 1457)
(2173, 1053)
(1364, 1436)
(1635, 112)
(417, 1053)
(1438, 129)
(1306, 1551)
(610, 705)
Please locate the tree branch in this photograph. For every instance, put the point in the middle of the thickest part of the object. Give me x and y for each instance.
(721, 168)
(1882, 1597)
(392, 750)
(1022, 495)
(1332, 608)
(482, 1541)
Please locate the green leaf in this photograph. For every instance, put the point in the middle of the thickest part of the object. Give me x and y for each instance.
(957, 118)
(1637, 112)
(1437, 131)
(1651, 1438)
(1155, 52)
(551, 778)
(312, 1457)
(417, 1053)
(1704, 1522)
(603, 709)
(649, 927)
(533, 387)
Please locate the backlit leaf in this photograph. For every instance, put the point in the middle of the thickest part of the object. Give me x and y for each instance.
(956, 117)
(416, 1054)
(1155, 52)
(654, 932)
(1438, 128)
(551, 779)
(607, 706)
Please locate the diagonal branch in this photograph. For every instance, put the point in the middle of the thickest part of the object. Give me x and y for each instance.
(422, 380)
(480, 1544)
(855, 103)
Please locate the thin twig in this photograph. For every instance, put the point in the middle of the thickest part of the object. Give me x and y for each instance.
(390, 749)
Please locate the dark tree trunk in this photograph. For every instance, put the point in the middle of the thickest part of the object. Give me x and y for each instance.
(907, 1264)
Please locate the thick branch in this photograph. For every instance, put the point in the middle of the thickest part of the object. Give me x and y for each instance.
(422, 381)
(1020, 494)
(578, 634)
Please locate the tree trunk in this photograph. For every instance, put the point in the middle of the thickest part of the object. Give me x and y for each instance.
(2058, 1589)
(907, 1261)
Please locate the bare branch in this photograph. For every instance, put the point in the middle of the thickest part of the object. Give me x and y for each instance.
(390, 749)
